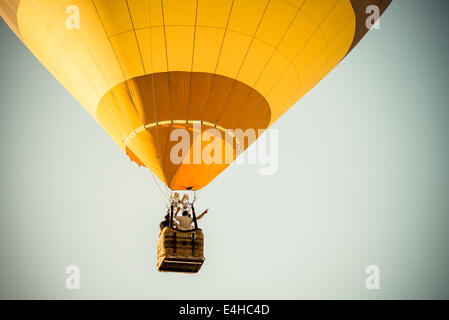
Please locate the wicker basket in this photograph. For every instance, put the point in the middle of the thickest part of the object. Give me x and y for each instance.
(180, 251)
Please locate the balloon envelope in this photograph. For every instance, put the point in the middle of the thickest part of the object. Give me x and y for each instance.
(144, 68)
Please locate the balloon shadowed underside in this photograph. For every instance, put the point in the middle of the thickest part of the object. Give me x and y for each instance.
(155, 105)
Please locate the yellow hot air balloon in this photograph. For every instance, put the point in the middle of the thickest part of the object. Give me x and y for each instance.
(143, 68)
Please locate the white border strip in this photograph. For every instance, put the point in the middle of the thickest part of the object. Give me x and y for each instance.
(165, 122)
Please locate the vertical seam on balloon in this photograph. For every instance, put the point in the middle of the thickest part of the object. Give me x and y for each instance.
(169, 84)
(191, 67)
(153, 102)
(152, 86)
(135, 36)
(166, 58)
(218, 60)
(241, 65)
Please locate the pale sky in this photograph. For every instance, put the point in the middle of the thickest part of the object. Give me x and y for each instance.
(362, 180)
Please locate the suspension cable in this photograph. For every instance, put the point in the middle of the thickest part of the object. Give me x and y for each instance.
(159, 191)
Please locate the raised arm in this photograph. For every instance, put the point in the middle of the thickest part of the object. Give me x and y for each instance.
(202, 215)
